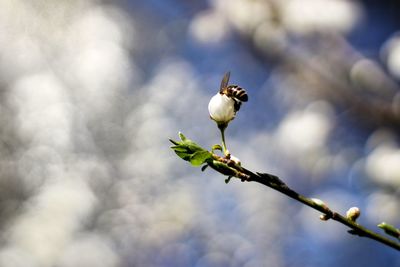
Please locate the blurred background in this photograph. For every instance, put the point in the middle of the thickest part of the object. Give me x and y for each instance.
(90, 92)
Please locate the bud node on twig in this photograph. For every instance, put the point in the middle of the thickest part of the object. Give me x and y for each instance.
(353, 213)
(324, 217)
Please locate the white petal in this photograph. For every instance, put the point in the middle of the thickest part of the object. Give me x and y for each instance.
(221, 108)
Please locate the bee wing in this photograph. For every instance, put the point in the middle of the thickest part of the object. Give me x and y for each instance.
(225, 80)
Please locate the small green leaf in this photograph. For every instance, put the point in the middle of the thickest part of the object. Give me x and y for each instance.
(179, 149)
(174, 142)
(181, 136)
(216, 147)
(193, 147)
(199, 157)
(190, 151)
(390, 229)
(183, 155)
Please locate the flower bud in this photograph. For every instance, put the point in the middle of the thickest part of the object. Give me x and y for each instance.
(221, 108)
(353, 213)
(324, 217)
(319, 202)
(235, 159)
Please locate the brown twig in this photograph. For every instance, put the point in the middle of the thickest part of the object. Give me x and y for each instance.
(277, 184)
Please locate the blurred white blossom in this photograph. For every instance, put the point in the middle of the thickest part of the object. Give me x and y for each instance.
(381, 207)
(306, 131)
(243, 15)
(383, 165)
(305, 16)
(209, 27)
(391, 52)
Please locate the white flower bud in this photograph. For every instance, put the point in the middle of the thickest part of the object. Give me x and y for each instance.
(221, 108)
(353, 213)
(319, 202)
(324, 217)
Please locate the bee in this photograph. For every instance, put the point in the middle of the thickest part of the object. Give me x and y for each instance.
(235, 92)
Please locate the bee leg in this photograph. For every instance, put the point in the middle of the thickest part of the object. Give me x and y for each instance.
(228, 179)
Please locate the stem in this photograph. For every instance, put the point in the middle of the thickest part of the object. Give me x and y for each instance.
(275, 183)
(222, 128)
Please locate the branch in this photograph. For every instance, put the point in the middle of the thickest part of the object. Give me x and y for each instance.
(197, 156)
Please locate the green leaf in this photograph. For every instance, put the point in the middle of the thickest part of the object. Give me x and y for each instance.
(200, 157)
(390, 229)
(216, 147)
(179, 148)
(174, 142)
(193, 147)
(181, 136)
(183, 155)
(190, 151)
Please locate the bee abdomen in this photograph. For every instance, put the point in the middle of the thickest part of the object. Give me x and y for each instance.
(237, 92)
